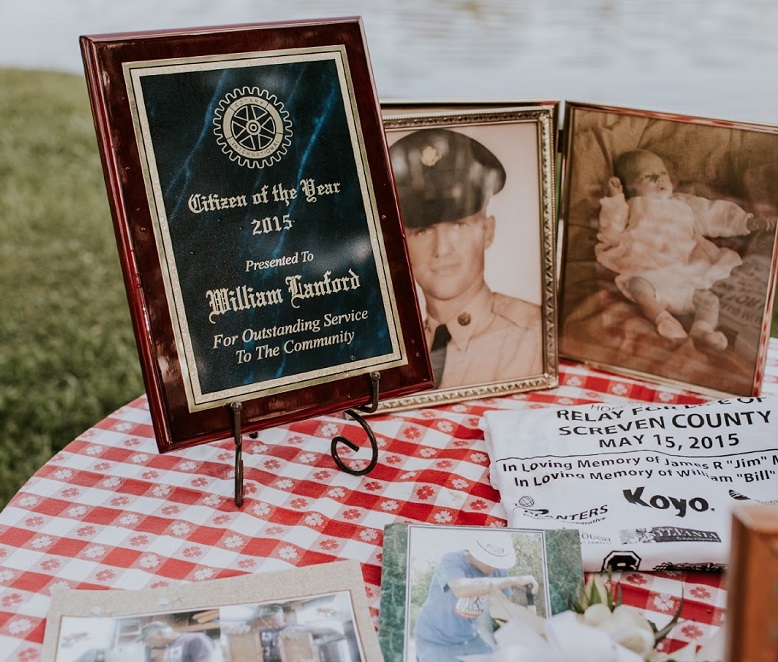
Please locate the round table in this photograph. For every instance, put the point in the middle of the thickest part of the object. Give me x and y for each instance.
(110, 512)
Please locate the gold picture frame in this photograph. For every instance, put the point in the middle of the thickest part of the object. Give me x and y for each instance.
(710, 263)
(504, 339)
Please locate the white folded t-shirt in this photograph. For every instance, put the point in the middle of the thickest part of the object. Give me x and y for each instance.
(648, 487)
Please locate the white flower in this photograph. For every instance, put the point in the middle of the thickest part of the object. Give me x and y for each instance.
(597, 635)
(161, 490)
(625, 625)
(181, 529)
(314, 519)
(261, 509)
(561, 638)
(128, 520)
(575, 641)
(139, 458)
(288, 553)
(149, 561)
(110, 483)
(40, 543)
(94, 552)
(307, 458)
(6, 576)
(602, 633)
(233, 541)
(203, 573)
(20, 626)
(76, 511)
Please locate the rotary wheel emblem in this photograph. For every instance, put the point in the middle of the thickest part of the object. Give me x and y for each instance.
(252, 127)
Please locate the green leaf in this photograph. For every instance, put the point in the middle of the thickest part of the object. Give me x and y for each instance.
(594, 595)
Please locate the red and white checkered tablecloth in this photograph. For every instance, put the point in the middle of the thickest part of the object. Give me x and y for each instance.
(110, 512)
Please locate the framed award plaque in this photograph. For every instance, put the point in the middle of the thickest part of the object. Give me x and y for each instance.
(257, 223)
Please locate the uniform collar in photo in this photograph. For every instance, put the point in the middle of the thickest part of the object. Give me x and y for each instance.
(475, 316)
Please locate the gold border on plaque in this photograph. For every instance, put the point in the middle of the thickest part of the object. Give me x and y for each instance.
(197, 400)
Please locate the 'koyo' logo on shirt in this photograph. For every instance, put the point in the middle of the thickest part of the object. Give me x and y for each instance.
(662, 502)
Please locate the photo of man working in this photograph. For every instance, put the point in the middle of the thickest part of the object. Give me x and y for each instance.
(445, 181)
(447, 626)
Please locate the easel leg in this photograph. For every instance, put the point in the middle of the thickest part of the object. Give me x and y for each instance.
(375, 378)
(236, 409)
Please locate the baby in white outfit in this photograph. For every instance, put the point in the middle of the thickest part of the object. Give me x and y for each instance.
(655, 240)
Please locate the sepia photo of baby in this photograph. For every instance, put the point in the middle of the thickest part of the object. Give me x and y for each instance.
(669, 246)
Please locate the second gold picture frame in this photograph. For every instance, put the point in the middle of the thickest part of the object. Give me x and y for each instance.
(669, 246)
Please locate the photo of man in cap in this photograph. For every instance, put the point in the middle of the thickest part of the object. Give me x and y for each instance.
(445, 181)
(447, 626)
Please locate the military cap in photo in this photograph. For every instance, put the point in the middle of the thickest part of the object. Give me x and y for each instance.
(442, 176)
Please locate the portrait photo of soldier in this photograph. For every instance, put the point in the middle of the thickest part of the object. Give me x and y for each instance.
(459, 206)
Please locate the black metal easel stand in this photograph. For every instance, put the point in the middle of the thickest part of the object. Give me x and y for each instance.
(236, 407)
(375, 378)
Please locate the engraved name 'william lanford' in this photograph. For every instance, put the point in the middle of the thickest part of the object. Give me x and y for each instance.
(224, 300)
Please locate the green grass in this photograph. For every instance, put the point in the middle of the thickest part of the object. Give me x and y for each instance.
(67, 353)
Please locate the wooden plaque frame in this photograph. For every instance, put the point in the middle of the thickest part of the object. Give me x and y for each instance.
(192, 189)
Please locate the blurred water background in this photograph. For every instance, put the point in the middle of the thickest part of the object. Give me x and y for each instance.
(714, 58)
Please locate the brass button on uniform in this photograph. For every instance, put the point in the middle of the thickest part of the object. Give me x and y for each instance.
(464, 319)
